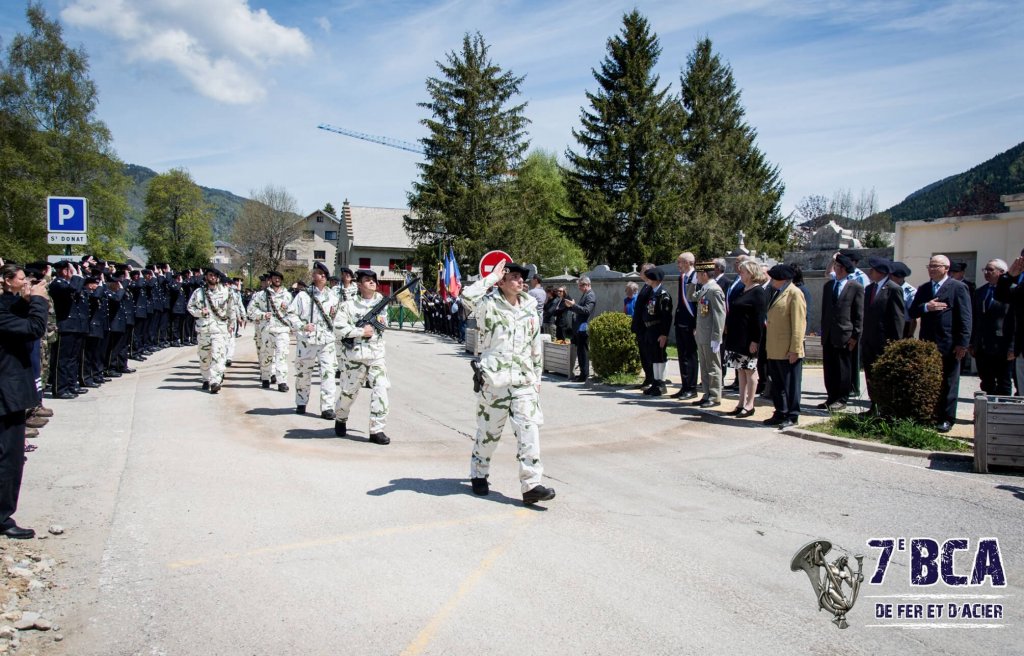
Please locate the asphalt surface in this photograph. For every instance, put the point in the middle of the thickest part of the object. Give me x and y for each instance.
(202, 524)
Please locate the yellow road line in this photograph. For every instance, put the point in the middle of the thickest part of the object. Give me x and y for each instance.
(430, 630)
(348, 537)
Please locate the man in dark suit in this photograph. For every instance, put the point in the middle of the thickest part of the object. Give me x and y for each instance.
(884, 313)
(1010, 289)
(842, 321)
(71, 308)
(944, 306)
(686, 324)
(992, 334)
(581, 311)
(638, 328)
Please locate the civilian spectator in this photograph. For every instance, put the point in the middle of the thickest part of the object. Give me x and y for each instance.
(630, 301)
(786, 327)
(580, 312)
(744, 325)
(992, 334)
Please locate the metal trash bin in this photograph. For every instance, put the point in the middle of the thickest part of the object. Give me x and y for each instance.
(998, 432)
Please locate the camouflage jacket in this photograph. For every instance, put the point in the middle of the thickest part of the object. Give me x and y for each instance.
(276, 304)
(303, 311)
(362, 349)
(509, 335)
(220, 306)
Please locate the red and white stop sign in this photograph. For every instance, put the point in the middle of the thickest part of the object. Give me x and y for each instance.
(492, 259)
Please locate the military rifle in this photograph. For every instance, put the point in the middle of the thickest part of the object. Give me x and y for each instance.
(370, 318)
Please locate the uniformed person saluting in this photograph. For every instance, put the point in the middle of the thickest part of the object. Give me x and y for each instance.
(363, 358)
(312, 315)
(656, 315)
(511, 362)
(214, 310)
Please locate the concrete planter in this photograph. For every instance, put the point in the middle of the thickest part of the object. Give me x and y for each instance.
(998, 432)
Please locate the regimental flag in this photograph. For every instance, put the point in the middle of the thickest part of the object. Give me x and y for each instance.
(439, 287)
(407, 300)
(452, 276)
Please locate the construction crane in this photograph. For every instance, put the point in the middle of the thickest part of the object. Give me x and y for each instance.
(384, 141)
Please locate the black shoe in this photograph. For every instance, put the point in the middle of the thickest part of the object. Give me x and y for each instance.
(743, 414)
(81, 390)
(282, 387)
(265, 384)
(137, 358)
(836, 406)
(685, 395)
(339, 428)
(300, 409)
(709, 403)
(578, 379)
(113, 374)
(480, 487)
(822, 406)
(538, 493)
(327, 414)
(228, 363)
(273, 380)
(735, 411)
(90, 384)
(702, 399)
(646, 383)
(128, 370)
(786, 423)
(774, 420)
(66, 396)
(214, 388)
(380, 438)
(16, 532)
(944, 427)
(206, 384)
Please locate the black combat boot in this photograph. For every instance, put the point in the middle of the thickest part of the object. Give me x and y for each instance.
(339, 428)
(538, 493)
(480, 487)
(380, 438)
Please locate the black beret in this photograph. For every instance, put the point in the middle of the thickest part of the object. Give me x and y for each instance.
(149, 271)
(846, 262)
(365, 273)
(900, 269)
(301, 283)
(91, 279)
(271, 274)
(654, 274)
(880, 264)
(215, 272)
(347, 270)
(321, 267)
(60, 266)
(957, 267)
(512, 267)
(333, 279)
(781, 272)
(853, 255)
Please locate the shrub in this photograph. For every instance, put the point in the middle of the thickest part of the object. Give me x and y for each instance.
(612, 345)
(906, 379)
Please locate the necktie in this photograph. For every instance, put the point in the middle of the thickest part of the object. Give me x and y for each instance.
(988, 299)
(935, 289)
(835, 292)
(872, 288)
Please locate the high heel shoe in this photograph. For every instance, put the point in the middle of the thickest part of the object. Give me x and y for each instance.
(743, 414)
(735, 411)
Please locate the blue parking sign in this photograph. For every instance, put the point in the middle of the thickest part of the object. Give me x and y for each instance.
(66, 214)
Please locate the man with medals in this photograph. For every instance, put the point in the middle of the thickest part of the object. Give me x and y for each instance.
(656, 315)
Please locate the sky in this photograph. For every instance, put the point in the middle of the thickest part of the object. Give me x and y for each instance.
(887, 95)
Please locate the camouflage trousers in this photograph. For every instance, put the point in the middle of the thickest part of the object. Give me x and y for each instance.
(274, 355)
(494, 406)
(231, 346)
(352, 377)
(257, 337)
(309, 358)
(213, 354)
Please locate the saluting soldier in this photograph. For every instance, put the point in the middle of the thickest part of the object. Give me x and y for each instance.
(120, 312)
(72, 311)
(271, 306)
(312, 315)
(214, 310)
(363, 358)
(93, 366)
(656, 316)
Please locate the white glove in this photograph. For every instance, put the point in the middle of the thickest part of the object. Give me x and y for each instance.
(714, 346)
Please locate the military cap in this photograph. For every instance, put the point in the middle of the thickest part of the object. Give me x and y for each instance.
(654, 274)
(264, 277)
(957, 267)
(512, 267)
(333, 279)
(215, 271)
(147, 272)
(271, 274)
(347, 270)
(365, 273)
(301, 283)
(853, 255)
(880, 264)
(900, 269)
(781, 272)
(60, 266)
(704, 266)
(91, 279)
(321, 267)
(846, 262)
(135, 272)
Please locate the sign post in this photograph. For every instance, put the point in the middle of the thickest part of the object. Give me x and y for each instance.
(67, 221)
(492, 259)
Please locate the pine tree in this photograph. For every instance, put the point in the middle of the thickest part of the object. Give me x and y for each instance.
(729, 183)
(51, 143)
(622, 183)
(476, 139)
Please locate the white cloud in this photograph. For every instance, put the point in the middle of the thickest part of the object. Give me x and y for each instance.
(221, 46)
(324, 23)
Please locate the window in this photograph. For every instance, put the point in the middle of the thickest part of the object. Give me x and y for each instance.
(364, 263)
(319, 218)
(320, 255)
(307, 235)
(331, 235)
(291, 254)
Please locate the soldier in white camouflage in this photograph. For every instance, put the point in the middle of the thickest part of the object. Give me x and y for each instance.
(345, 290)
(312, 315)
(214, 310)
(363, 358)
(511, 364)
(270, 306)
(235, 287)
(257, 323)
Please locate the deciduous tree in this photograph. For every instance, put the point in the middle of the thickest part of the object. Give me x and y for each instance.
(268, 222)
(176, 226)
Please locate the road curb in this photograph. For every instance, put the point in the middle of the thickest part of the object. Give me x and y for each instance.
(877, 447)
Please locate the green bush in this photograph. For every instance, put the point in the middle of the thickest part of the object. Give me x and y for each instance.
(612, 345)
(906, 380)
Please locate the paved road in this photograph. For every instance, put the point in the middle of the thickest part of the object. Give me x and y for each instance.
(226, 524)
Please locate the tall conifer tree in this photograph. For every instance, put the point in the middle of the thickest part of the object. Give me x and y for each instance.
(476, 138)
(621, 183)
(729, 183)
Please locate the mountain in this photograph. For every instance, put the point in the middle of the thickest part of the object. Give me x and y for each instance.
(973, 192)
(225, 204)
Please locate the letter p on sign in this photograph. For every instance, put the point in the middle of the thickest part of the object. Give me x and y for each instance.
(66, 214)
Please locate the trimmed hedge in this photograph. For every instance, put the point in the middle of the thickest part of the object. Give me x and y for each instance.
(906, 380)
(613, 347)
